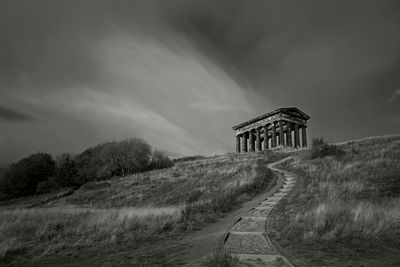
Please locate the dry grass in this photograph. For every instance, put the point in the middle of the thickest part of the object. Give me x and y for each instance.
(188, 181)
(332, 220)
(44, 231)
(349, 200)
(134, 209)
(220, 258)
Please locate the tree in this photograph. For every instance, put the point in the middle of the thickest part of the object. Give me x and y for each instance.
(3, 182)
(113, 159)
(22, 178)
(66, 172)
(160, 160)
(135, 156)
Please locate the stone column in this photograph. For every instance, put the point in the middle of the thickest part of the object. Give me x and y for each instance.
(244, 142)
(266, 145)
(273, 138)
(258, 139)
(237, 143)
(265, 137)
(296, 135)
(289, 135)
(251, 141)
(281, 134)
(304, 136)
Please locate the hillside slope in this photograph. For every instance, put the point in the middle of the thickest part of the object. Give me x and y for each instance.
(345, 210)
(186, 182)
(126, 220)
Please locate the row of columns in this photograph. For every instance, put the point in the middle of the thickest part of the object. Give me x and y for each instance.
(252, 140)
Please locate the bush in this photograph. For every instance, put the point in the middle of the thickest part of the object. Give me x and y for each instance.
(94, 164)
(22, 178)
(113, 159)
(44, 187)
(320, 148)
(160, 160)
(66, 173)
(189, 158)
(3, 194)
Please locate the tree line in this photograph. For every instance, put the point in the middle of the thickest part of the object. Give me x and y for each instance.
(42, 173)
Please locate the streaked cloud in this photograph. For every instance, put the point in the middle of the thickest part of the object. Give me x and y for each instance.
(12, 115)
(180, 73)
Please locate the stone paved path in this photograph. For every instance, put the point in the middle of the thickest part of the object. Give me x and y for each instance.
(247, 238)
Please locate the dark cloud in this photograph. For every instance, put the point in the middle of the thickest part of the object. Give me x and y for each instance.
(50, 42)
(179, 73)
(46, 42)
(258, 37)
(10, 115)
(322, 56)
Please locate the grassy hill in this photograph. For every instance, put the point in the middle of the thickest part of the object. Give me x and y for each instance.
(345, 210)
(130, 212)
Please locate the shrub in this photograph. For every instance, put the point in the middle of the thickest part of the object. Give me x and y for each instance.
(3, 194)
(97, 163)
(22, 178)
(160, 160)
(320, 148)
(44, 187)
(189, 158)
(113, 159)
(66, 173)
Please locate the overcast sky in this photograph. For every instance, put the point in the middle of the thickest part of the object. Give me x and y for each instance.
(180, 74)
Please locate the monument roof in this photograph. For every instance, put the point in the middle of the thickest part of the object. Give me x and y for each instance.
(293, 111)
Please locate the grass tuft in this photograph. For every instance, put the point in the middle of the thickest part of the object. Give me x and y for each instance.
(221, 258)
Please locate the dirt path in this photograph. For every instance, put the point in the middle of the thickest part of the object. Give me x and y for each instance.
(206, 240)
(247, 237)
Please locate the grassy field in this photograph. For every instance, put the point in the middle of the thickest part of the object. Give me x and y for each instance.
(42, 231)
(346, 208)
(136, 209)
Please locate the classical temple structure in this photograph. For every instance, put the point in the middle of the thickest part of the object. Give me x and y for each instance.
(281, 127)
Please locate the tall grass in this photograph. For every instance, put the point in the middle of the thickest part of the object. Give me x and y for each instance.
(188, 181)
(334, 220)
(44, 231)
(220, 258)
(352, 197)
(222, 200)
(181, 198)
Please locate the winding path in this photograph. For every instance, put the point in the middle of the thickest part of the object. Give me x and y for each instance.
(247, 237)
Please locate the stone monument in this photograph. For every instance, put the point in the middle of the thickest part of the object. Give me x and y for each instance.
(281, 127)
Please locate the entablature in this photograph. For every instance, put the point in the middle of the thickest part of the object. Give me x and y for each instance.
(269, 121)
